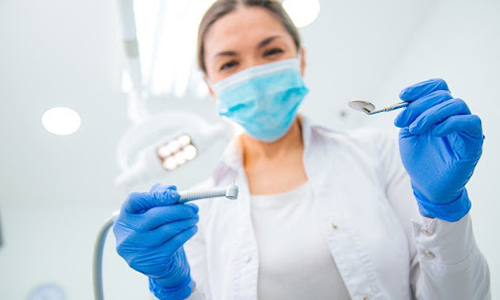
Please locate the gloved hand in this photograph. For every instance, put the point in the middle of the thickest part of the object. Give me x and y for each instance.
(440, 143)
(150, 232)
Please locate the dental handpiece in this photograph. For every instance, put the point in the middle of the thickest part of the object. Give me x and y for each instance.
(231, 193)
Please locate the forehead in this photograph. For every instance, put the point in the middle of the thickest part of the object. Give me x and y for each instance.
(241, 29)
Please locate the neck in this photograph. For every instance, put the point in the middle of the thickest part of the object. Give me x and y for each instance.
(258, 151)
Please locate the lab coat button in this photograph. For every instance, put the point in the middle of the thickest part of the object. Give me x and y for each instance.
(247, 258)
(334, 226)
(425, 231)
(429, 254)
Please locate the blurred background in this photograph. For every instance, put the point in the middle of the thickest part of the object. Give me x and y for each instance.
(123, 76)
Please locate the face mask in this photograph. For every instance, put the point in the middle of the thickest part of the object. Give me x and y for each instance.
(264, 99)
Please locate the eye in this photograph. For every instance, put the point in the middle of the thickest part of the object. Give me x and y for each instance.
(228, 65)
(273, 51)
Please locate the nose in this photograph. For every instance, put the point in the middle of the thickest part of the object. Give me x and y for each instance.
(253, 62)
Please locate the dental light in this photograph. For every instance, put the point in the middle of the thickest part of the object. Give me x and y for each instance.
(173, 147)
(176, 152)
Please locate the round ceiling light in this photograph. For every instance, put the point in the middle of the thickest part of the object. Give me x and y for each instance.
(61, 121)
(302, 12)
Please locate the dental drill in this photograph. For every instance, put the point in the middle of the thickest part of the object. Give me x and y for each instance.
(231, 193)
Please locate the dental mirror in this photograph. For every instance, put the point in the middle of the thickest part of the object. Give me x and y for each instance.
(369, 109)
(363, 106)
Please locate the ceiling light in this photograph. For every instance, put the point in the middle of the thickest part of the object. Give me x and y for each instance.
(61, 121)
(302, 12)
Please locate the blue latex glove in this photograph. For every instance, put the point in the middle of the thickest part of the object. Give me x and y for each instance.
(150, 232)
(440, 143)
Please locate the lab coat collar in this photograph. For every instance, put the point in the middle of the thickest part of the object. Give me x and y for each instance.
(232, 157)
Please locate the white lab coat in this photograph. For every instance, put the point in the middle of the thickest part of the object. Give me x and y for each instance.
(383, 247)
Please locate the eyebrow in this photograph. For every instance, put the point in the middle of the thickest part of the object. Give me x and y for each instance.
(262, 44)
(267, 41)
(226, 53)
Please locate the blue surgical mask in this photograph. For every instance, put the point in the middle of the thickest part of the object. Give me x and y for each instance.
(264, 99)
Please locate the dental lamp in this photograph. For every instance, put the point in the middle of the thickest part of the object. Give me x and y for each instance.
(173, 147)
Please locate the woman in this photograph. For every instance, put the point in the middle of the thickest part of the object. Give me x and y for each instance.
(321, 214)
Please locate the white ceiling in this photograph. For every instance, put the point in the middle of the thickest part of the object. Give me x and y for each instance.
(59, 53)
(68, 53)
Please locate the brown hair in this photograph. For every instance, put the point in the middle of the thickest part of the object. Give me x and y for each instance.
(222, 7)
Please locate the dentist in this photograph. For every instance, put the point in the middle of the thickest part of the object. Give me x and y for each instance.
(322, 214)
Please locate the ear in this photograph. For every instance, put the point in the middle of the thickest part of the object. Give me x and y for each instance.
(303, 61)
(207, 81)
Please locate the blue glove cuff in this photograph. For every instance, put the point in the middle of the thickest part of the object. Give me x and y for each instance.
(451, 212)
(177, 293)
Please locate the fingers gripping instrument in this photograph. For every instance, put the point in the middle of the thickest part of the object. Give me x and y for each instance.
(231, 193)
